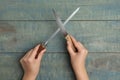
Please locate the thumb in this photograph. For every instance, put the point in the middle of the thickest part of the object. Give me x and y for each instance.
(69, 48)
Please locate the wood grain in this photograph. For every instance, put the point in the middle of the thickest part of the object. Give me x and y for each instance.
(25, 23)
(56, 66)
(97, 36)
(41, 9)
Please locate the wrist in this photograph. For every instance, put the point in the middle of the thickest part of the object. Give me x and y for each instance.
(80, 73)
(79, 70)
(78, 67)
(27, 76)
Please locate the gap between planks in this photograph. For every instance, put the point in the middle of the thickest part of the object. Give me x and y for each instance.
(55, 20)
(63, 52)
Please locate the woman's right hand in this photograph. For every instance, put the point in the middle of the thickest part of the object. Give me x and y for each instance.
(78, 58)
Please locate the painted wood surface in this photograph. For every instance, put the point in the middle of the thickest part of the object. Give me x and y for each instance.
(56, 66)
(97, 36)
(41, 9)
(25, 23)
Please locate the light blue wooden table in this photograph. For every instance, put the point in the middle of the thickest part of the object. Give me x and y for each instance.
(25, 23)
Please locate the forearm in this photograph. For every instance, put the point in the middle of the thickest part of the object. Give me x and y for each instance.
(28, 77)
(81, 73)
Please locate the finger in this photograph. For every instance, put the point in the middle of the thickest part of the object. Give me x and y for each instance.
(80, 44)
(34, 52)
(69, 48)
(83, 49)
(26, 55)
(75, 43)
(41, 54)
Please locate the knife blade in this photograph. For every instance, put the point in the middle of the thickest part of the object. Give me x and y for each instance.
(63, 30)
(43, 45)
(60, 24)
(66, 21)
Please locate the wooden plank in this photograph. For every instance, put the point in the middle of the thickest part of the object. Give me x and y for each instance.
(41, 9)
(50, 2)
(56, 66)
(97, 36)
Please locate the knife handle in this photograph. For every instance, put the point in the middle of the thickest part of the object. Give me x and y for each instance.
(69, 39)
(41, 47)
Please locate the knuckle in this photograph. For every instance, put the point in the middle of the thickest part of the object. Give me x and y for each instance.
(29, 60)
(20, 60)
(67, 47)
(78, 42)
(85, 50)
(24, 60)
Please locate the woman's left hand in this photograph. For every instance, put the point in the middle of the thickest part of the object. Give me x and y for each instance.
(30, 64)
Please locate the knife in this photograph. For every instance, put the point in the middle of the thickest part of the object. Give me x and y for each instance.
(43, 45)
(66, 21)
(62, 28)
